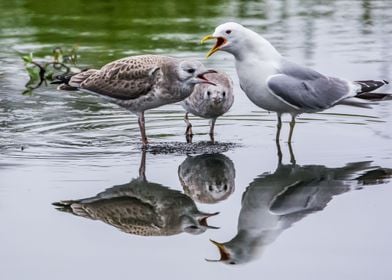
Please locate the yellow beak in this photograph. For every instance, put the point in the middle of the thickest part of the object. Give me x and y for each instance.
(220, 41)
(206, 38)
(225, 255)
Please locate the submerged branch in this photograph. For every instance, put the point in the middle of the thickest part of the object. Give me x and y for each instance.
(43, 72)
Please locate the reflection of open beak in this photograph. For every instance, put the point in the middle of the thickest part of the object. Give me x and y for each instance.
(202, 79)
(224, 254)
(203, 220)
(220, 41)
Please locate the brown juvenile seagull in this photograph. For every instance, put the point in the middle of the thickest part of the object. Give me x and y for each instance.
(143, 82)
(209, 101)
(207, 178)
(142, 207)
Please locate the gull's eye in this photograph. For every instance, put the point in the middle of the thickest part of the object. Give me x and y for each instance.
(224, 93)
(191, 71)
(225, 187)
(228, 31)
(208, 93)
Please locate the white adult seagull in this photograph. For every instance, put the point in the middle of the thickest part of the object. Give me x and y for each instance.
(276, 84)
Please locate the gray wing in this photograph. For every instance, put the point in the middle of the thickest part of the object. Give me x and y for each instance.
(127, 78)
(305, 89)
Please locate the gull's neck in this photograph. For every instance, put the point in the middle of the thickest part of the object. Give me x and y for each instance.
(254, 46)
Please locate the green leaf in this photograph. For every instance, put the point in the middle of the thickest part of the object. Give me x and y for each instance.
(49, 75)
(58, 55)
(28, 58)
(27, 91)
(33, 72)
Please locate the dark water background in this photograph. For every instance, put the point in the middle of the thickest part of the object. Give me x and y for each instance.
(327, 217)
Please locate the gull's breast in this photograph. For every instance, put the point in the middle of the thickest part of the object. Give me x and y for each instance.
(253, 76)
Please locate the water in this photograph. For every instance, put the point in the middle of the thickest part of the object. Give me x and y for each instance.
(326, 216)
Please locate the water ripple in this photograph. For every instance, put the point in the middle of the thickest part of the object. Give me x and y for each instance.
(76, 127)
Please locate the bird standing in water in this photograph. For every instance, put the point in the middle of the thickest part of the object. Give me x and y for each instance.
(279, 85)
(209, 101)
(143, 82)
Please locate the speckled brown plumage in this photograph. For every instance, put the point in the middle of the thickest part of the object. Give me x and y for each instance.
(124, 79)
(210, 101)
(143, 82)
(207, 178)
(142, 208)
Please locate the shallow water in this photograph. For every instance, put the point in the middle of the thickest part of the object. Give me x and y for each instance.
(325, 217)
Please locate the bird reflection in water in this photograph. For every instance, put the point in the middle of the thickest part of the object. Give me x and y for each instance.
(207, 178)
(142, 208)
(273, 202)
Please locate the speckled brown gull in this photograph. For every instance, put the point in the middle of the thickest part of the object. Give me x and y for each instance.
(142, 208)
(207, 178)
(209, 101)
(143, 82)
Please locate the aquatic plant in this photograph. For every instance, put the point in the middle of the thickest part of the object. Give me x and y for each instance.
(49, 68)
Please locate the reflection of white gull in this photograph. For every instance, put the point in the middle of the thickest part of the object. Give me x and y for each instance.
(276, 84)
(209, 101)
(274, 202)
(142, 208)
(207, 178)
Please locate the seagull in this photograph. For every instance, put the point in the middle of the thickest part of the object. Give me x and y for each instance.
(141, 207)
(273, 202)
(142, 82)
(276, 84)
(207, 178)
(209, 101)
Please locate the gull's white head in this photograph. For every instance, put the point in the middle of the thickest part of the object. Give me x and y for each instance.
(238, 40)
(228, 37)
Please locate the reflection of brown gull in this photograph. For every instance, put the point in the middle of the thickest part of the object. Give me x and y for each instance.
(142, 208)
(274, 202)
(207, 178)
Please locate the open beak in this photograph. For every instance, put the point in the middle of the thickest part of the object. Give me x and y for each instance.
(220, 41)
(203, 220)
(224, 254)
(201, 78)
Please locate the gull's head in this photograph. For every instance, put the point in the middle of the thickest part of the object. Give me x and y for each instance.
(215, 94)
(193, 72)
(227, 255)
(228, 36)
(235, 251)
(197, 223)
(240, 41)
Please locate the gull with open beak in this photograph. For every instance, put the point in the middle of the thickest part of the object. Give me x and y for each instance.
(279, 85)
(142, 208)
(143, 82)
